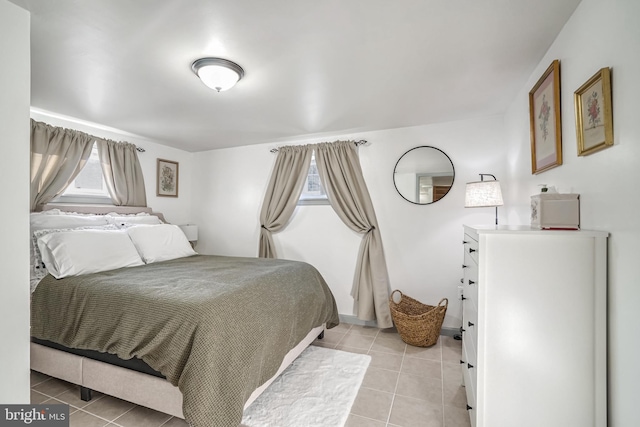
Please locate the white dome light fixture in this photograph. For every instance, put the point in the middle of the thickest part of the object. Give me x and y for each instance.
(217, 73)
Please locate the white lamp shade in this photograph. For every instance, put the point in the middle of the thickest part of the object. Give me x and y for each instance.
(191, 231)
(482, 194)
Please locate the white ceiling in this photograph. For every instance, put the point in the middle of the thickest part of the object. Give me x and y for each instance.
(311, 67)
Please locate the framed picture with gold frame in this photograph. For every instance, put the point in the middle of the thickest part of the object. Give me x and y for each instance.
(594, 118)
(167, 178)
(545, 121)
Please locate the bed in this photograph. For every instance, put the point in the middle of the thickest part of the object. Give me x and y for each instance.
(212, 331)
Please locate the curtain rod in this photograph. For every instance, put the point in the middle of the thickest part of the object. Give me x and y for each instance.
(139, 149)
(360, 142)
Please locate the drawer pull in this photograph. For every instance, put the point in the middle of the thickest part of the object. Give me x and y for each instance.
(462, 362)
(464, 242)
(464, 266)
(463, 298)
(471, 282)
(462, 280)
(462, 330)
(470, 324)
(471, 250)
(469, 365)
(469, 408)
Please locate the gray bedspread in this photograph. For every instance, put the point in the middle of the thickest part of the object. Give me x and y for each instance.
(216, 327)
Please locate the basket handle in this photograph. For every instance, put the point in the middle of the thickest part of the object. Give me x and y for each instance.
(446, 302)
(393, 293)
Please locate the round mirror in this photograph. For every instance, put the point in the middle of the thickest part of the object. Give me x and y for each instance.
(423, 175)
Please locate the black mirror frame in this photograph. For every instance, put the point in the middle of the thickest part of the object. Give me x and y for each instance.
(415, 148)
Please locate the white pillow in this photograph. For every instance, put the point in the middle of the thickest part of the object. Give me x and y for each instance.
(127, 221)
(56, 219)
(70, 253)
(41, 221)
(37, 256)
(38, 269)
(130, 214)
(160, 242)
(58, 212)
(49, 212)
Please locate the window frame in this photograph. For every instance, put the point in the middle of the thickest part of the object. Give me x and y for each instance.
(312, 200)
(82, 198)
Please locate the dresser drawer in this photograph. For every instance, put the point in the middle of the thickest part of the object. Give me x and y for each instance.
(470, 364)
(470, 384)
(471, 248)
(470, 322)
(470, 282)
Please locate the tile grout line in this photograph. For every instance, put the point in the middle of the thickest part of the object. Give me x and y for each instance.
(341, 338)
(395, 390)
(366, 418)
(94, 415)
(164, 423)
(361, 387)
(76, 407)
(41, 382)
(123, 414)
(442, 376)
(373, 341)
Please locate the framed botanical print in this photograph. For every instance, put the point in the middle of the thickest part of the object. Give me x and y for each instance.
(545, 122)
(594, 118)
(167, 178)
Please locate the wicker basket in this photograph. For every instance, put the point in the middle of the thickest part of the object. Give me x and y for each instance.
(418, 324)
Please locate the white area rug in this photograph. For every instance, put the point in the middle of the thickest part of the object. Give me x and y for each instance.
(317, 390)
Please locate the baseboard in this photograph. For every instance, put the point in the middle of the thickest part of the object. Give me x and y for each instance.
(353, 320)
(449, 332)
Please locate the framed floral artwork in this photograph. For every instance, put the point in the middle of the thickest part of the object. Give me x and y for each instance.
(545, 122)
(594, 118)
(167, 178)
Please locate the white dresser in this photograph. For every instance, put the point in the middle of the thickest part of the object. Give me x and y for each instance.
(534, 327)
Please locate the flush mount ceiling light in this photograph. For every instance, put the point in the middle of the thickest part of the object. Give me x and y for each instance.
(217, 73)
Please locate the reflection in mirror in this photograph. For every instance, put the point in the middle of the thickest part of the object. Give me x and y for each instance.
(423, 175)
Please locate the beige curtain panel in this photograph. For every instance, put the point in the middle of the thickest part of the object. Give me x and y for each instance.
(57, 156)
(288, 176)
(341, 175)
(122, 173)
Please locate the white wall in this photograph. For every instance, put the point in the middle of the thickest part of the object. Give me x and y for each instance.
(176, 210)
(14, 216)
(601, 33)
(422, 243)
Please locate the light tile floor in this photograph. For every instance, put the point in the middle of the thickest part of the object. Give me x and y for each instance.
(405, 386)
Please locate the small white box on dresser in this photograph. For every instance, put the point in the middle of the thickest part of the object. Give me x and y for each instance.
(555, 211)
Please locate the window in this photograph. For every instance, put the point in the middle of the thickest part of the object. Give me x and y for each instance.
(312, 192)
(89, 186)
